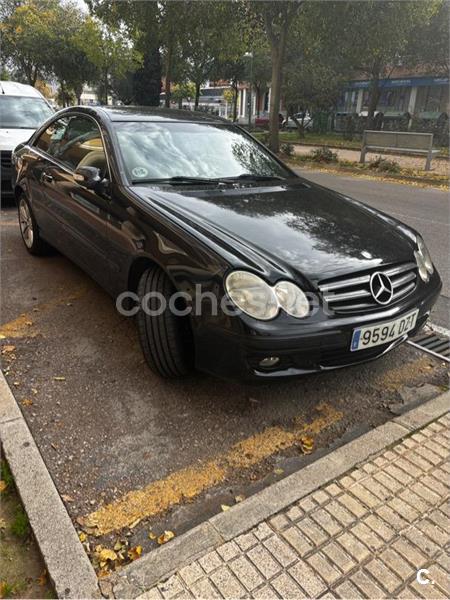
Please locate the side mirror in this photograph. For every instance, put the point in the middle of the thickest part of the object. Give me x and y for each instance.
(88, 177)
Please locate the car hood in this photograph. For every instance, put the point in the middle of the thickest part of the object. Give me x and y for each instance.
(294, 228)
(10, 138)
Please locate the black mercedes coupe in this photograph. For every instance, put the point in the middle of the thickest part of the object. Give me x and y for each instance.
(230, 262)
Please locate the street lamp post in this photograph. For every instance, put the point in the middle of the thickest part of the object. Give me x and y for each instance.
(249, 102)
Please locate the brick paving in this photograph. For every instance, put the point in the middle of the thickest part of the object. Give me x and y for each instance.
(364, 536)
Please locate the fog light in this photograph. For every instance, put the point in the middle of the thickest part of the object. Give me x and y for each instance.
(269, 361)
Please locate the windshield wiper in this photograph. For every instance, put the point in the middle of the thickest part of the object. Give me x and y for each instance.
(179, 179)
(252, 177)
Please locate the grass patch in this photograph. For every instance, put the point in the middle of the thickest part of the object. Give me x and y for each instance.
(5, 475)
(20, 526)
(332, 139)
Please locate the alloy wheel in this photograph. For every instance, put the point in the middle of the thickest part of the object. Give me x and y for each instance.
(26, 223)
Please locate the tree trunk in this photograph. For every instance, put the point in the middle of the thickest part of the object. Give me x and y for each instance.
(197, 95)
(63, 93)
(374, 95)
(235, 99)
(169, 73)
(274, 125)
(299, 124)
(257, 99)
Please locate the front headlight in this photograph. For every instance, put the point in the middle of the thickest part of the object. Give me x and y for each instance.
(252, 295)
(292, 299)
(423, 260)
(258, 299)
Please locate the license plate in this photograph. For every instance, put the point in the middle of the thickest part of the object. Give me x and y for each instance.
(383, 333)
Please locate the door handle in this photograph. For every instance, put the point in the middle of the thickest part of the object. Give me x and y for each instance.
(47, 177)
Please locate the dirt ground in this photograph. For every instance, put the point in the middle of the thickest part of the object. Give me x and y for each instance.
(438, 165)
(22, 572)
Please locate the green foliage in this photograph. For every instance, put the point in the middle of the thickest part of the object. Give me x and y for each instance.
(287, 149)
(384, 165)
(20, 526)
(323, 155)
(6, 475)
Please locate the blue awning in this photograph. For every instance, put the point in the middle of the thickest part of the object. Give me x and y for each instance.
(405, 82)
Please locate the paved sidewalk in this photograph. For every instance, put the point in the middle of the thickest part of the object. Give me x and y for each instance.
(438, 165)
(364, 536)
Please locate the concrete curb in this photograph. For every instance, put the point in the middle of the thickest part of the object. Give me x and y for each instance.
(68, 566)
(141, 575)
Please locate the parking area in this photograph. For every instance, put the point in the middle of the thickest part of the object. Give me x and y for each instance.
(133, 454)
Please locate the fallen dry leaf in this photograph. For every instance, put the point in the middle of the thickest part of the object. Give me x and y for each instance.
(106, 554)
(165, 537)
(7, 349)
(278, 471)
(3, 485)
(239, 498)
(27, 402)
(2, 336)
(29, 323)
(2, 524)
(67, 498)
(42, 579)
(224, 507)
(151, 535)
(306, 444)
(135, 553)
(82, 536)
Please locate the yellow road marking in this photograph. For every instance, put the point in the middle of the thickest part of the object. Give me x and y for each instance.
(186, 484)
(24, 325)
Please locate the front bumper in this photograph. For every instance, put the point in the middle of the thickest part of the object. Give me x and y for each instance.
(310, 348)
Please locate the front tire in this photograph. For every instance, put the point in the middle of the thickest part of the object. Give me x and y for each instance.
(166, 338)
(29, 229)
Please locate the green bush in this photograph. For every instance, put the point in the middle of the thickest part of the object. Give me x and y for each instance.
(324, 155)
(264, 138)
(384, 165)
(287, 149)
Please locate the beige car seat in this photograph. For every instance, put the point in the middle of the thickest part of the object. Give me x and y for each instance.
(95, 158)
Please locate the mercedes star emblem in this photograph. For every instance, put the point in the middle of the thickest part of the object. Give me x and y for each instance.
(381, 288)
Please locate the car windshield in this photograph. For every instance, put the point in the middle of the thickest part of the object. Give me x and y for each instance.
(22, 112)
(163, 151)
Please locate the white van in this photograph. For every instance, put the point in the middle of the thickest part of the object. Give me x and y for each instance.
(22, 109)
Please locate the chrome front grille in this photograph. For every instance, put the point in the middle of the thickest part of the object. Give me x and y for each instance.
(5, 159)
(352, 294)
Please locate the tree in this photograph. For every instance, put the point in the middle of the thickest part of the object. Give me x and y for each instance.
(183, 91)
(277, 19)
(23, 31)
(69, 61)
(430, 43)
(374, 37)
(110, 52)
(314, 71)
(138, 23)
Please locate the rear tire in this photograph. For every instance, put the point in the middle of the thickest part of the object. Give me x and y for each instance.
(166, 339)
(29, 229)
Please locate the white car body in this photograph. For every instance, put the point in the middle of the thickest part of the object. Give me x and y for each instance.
(289, 123)
(22, 110)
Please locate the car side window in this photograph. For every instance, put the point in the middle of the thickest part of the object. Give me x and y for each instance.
(50, 139)
(82, 145)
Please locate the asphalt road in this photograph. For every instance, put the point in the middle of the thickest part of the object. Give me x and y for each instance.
(425, 209)
(164, 454)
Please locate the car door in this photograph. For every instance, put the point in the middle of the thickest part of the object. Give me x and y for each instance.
(75, 216)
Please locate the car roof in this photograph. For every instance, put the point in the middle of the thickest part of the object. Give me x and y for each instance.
(147, 113)
(14, 88)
